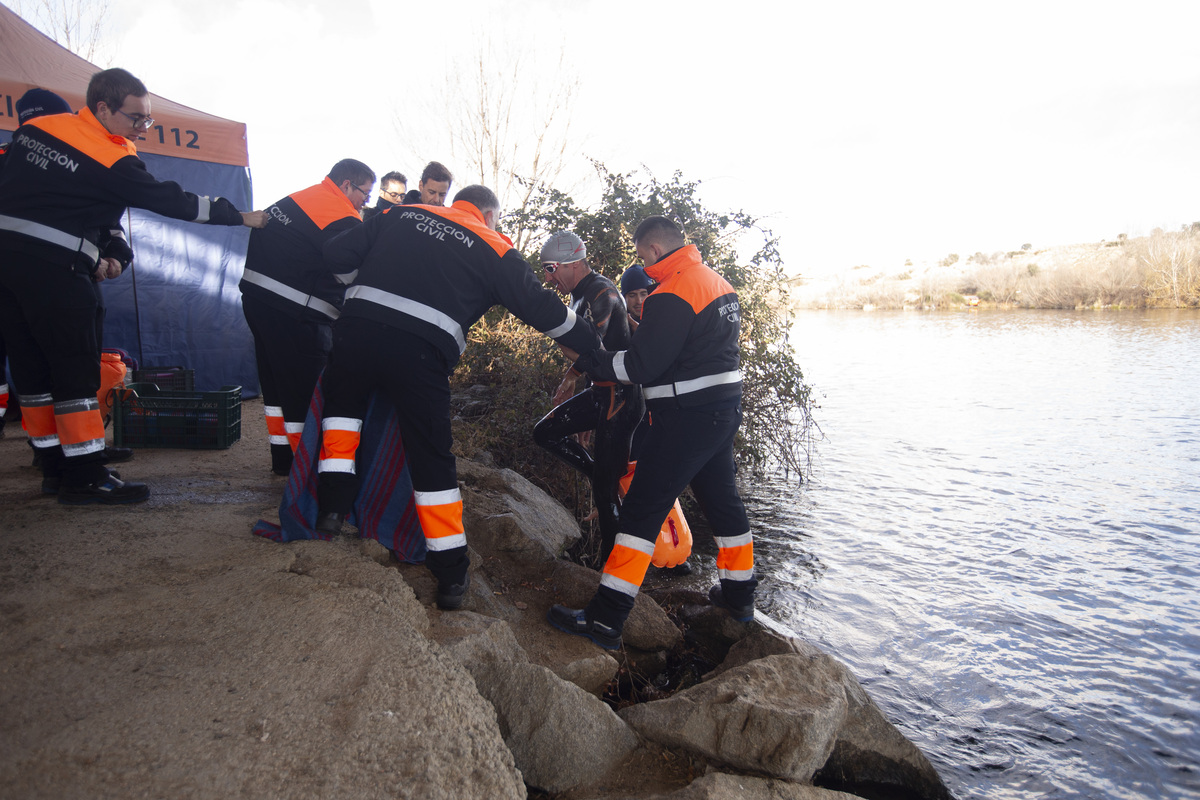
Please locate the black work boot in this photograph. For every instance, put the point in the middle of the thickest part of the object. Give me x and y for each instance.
(450, 596)
(738, 612)
(115, 455)
(109, 491)
(330, 523)
(575, 622)
(52, 483)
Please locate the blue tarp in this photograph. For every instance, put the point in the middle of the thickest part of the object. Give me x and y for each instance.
(188, 308)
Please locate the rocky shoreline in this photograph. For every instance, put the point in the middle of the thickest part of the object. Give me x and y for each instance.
(162, 651)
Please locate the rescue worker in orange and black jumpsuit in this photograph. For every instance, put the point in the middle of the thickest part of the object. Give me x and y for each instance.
(112, 244)
(685, 356)
(66, 180)
(425, 275)
(290, 300)
(609, 408)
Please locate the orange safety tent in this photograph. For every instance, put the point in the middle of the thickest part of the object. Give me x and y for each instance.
(180, 305)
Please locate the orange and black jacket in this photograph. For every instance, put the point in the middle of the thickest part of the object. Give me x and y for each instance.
(434, 271)
(284, 266)
(684, 352)
(66, 181)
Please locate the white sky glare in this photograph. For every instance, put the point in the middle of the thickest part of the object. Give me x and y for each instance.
(862, 133)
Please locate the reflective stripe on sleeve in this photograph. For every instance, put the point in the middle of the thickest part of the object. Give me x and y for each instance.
(412, 308)
(37, 230)
(203, 209)
(563, 329)
(619, 367)
(693, 385)
(288, 293)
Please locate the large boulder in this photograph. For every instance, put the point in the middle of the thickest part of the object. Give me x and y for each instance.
(868, 750)
(519, 521)
(777, 716)
(560, 736)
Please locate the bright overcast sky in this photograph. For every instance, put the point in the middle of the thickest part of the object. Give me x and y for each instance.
(864, 133)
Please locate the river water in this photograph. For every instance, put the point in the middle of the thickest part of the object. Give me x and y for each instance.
(1002, 539)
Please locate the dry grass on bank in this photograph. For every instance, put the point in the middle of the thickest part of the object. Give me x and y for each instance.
(1157, 271)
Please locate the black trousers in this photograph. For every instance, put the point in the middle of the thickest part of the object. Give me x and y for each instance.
(682, 448)
(414, 376)
(290, 353)
(613, 412)
(48, 316)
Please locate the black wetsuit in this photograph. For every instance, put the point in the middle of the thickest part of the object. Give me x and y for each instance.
(613, 410)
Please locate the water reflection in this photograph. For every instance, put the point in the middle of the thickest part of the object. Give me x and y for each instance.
(1002, 541)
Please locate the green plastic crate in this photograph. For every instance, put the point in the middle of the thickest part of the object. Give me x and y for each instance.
(168, 379)
(146, 416)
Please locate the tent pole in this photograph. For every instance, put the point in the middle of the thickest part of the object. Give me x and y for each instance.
(137, 317)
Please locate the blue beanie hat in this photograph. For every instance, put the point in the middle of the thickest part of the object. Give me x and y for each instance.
(39, 103)
(635, 278)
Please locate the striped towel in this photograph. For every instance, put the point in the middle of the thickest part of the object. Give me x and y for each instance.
(384, 509)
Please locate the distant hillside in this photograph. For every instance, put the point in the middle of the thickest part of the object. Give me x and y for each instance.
(1160, 270)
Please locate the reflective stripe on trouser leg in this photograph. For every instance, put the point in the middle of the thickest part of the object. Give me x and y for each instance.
(440, 514)
(626, 566)
(294, 431)
(735, 557)
(276, 432)
(735, 567)
(339, 441)
(80, 426)
(3, 396)
(37, 416)
(621, 581)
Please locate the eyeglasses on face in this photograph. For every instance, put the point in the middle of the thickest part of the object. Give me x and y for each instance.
(393, 195)
(139, 121)
(365, 192)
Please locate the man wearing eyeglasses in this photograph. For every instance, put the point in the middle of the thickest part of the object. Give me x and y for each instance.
(291, 300)
(392, 188)
(66, 182)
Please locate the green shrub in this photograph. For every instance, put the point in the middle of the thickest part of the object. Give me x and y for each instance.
(523, 368)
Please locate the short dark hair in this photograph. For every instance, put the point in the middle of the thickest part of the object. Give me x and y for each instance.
(351, 170)
(111, 87)
(436, 172)
(481, 197)
(659, 230)
(398, 177)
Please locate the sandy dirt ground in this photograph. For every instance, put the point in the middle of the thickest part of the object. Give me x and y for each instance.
(161, 650)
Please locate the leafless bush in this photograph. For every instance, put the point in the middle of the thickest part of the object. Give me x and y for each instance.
(1171, 263)
(1002, 282)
